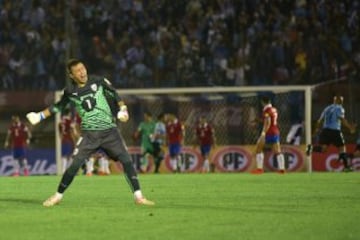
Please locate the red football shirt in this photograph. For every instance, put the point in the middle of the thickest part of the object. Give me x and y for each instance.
(174, 131)
(204, 133)
(65, 128)
(18, 134)
(270, 112)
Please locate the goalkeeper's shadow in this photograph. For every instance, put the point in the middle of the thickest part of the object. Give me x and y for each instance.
(20, 201)
(243, 209)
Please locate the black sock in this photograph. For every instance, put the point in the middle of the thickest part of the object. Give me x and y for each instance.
(69, 175)
(66, 180)
(131, 176)
(343, 157)
(158, 163)
(317, 149)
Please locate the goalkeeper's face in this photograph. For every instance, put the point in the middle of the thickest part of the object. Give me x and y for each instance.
(79, 74)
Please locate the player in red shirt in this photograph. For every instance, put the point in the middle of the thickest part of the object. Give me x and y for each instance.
(205, 138)
(175, 133)
(67, 131)
(270, 134)
(18, 137)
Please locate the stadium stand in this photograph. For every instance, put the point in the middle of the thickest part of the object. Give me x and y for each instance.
(141, 43)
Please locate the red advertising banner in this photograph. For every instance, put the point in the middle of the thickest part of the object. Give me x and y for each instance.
(235, 159)
(329, 162)
(232, 159)
(225, 158)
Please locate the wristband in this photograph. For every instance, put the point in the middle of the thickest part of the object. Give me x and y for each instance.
(42, 116)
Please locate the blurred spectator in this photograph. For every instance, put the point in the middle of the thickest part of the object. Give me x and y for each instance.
(181, 43)
(140, 75)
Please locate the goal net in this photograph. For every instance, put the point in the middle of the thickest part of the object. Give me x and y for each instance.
(232, 111)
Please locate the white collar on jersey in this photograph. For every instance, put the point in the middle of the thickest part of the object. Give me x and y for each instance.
(267, 106)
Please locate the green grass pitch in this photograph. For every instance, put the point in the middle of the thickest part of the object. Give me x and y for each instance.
(188, 206)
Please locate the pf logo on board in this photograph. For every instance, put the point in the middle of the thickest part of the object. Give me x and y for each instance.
(190, 160)
(232, 159)
(293, 156)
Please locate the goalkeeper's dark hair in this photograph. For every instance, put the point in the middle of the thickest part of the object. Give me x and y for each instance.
(265, 99)
(161, 116)
(148, 113)
(72, 62)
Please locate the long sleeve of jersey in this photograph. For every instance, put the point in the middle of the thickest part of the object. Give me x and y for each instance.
(61, 104)
(109, 89)
(112, 97)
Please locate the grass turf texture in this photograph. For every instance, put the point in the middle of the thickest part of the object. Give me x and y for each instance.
(188, 206)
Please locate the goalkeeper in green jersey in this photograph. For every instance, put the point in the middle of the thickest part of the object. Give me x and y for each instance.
(98, 106)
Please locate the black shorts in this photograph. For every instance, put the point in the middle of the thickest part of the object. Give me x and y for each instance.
(109, 140)
(331, 137)
(157, 149)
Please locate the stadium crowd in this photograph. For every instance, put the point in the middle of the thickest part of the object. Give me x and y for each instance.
(163, 43)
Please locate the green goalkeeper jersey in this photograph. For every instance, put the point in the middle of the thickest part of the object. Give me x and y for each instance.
(96, 103)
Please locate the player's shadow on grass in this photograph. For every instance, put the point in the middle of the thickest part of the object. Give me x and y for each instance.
(20, 200)
(249, 209)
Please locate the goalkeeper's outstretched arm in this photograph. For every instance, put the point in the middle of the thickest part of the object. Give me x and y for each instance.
(36, 117)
